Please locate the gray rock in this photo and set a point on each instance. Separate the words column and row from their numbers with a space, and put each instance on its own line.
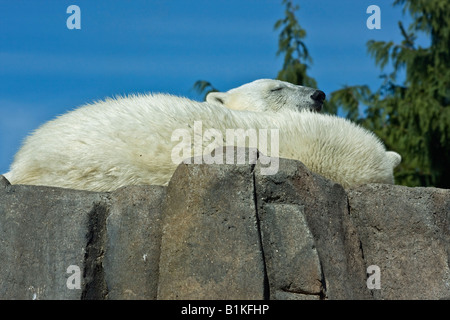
column 291, row 258
column 4, row 183
column 133, row 232
column 284, row 295
column 226, row 232
column 324, row 206
column 405, row 232
column 211, row 245
column 44, row 231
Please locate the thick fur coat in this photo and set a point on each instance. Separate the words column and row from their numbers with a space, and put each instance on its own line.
column 130, row 141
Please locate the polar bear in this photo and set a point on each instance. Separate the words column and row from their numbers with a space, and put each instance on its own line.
column 130, row 141
column 269, row 95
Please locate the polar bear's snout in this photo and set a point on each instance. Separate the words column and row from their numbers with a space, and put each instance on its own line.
column 318, row 97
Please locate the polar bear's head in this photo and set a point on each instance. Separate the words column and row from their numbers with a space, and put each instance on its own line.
column 269, row 95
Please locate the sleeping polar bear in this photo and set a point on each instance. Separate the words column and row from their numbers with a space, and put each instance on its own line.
column 130, row 140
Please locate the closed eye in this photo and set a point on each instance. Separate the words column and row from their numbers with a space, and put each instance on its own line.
column 276, row 89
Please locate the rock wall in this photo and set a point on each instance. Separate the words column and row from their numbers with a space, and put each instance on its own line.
column 226, row 232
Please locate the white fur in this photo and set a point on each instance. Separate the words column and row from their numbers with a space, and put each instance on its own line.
column 266, row 95
column 127, row 141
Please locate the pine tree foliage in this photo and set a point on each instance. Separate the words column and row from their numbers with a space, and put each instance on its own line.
column 290, row 43
column 204, row 87
column 413, row 117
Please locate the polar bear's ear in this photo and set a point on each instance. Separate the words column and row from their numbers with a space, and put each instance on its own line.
column 218, row 98
column 394, row 158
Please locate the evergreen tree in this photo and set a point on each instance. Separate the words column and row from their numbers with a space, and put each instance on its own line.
column 290, row 43
column 204, row 87
column 413, row 117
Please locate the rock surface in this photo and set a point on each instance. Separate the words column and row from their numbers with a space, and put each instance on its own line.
column 44, row 231
column 133, row 242
column 406, row 233
column 211, row 246
column 226, row 232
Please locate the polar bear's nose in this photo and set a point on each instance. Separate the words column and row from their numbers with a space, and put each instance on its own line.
column 318, row 96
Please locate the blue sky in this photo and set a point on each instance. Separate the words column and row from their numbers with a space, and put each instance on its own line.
column 165, row 46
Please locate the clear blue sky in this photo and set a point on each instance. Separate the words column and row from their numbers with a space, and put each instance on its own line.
column 165, row 46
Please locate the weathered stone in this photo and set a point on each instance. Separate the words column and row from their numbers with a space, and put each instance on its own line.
column 291, row 258
column 133, row 230
column 324, row 205
column 211, row 245
column 406, row 233
column 226, row 232
column 4, row 183
column 284, row 295
column 45, row 230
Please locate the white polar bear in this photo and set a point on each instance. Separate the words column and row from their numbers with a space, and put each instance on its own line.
column 130, row 141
